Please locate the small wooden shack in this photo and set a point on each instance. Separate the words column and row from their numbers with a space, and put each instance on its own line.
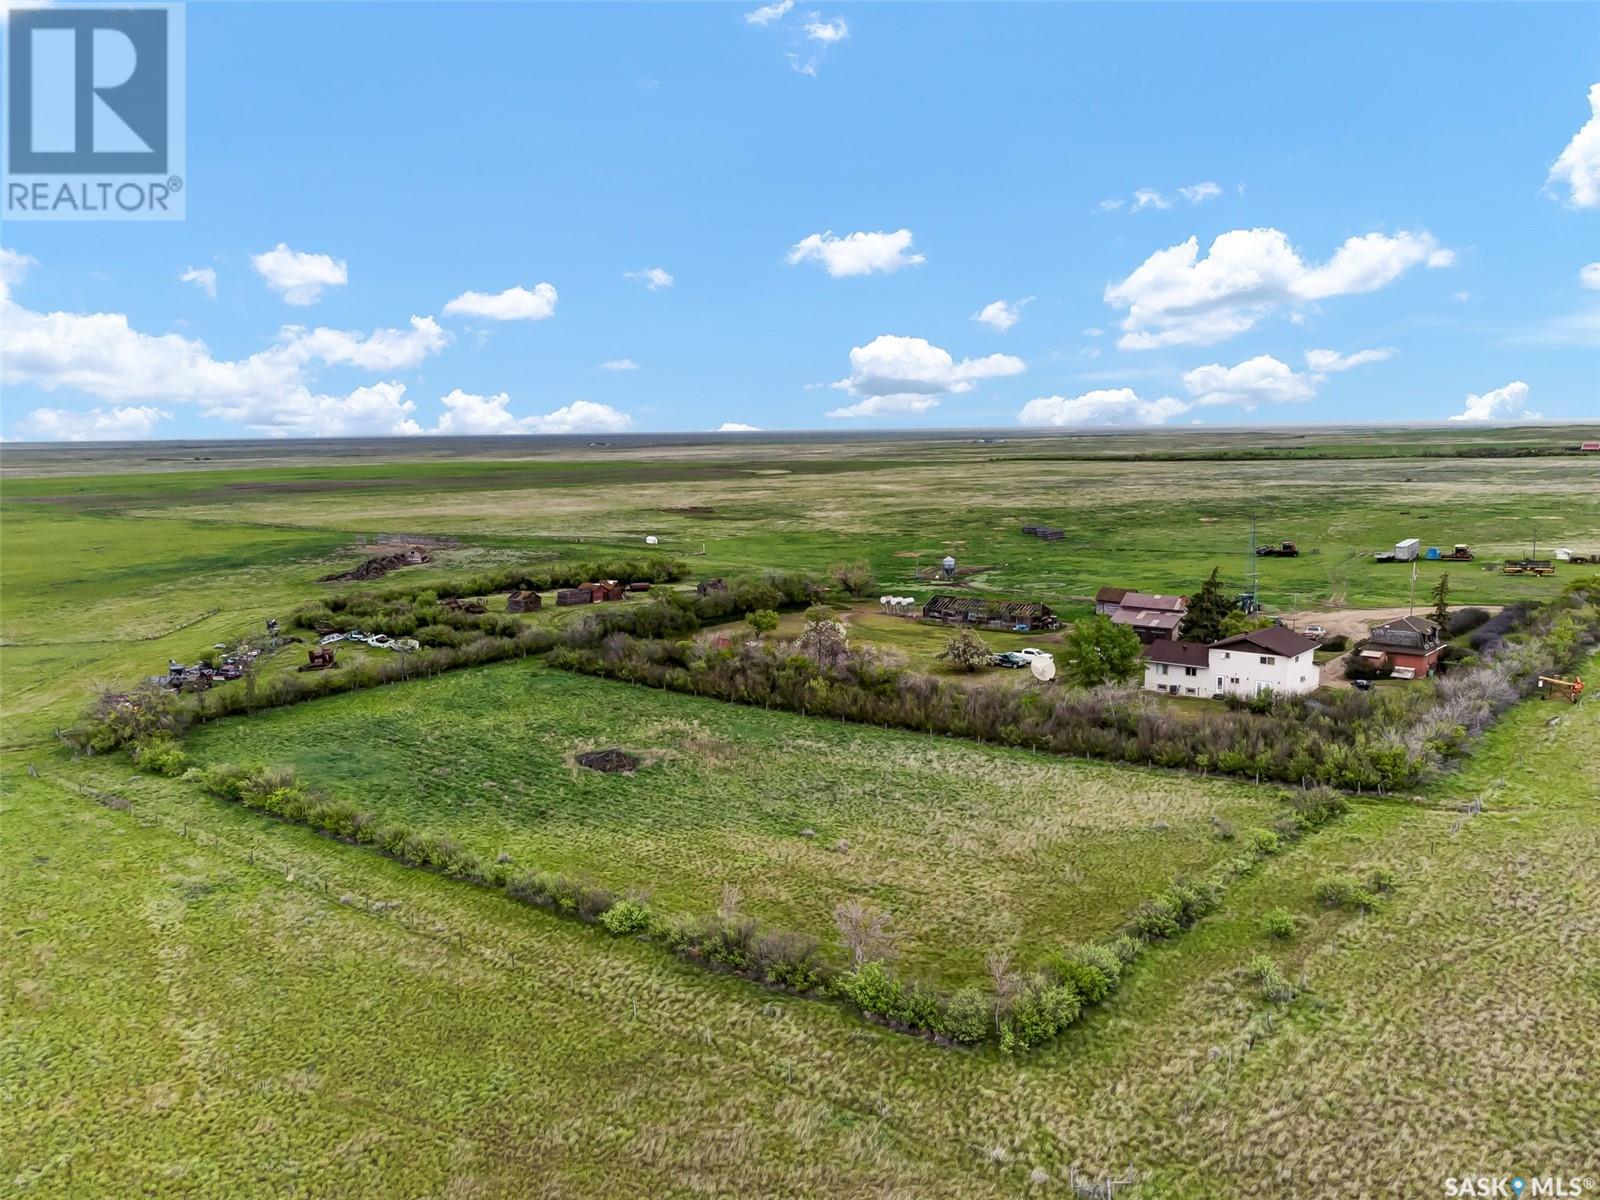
column 523, row 602
column 606, row 589
column 577, row 595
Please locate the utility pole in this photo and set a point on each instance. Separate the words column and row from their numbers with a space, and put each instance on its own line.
column 1252, row 568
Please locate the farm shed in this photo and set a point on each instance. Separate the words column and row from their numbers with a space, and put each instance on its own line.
column 1150, row 624
column 1409, row 642
column 523, row 602
column 606, row 589
column 570, row 596
column 994, row 614
column 1149, row 602
column 1108, row 599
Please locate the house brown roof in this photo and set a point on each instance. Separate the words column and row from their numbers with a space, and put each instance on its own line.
column 1111, row 595
column 1274, row 639
column 1144, row 618
column 1175, row 604
column 1179, row 654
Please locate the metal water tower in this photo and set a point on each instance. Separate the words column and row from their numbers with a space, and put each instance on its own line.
column 949, row 566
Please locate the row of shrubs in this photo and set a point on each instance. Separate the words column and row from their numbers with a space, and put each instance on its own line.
column 423, row 615
column 150, row 711
column 1019, row 1011
column 1347, row 739
column 1358, row 741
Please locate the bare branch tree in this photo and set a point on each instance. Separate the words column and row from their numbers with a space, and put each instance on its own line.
column 867, row 932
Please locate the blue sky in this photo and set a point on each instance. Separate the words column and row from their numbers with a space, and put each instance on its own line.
column 1406, row 199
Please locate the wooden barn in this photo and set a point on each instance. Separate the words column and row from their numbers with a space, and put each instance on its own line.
column 570, row 596
column 990, row 614
column 523, row 602
column 606, row 589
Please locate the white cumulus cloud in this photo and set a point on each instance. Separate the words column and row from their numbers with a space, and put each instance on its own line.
column 1149, row 198
column 619, row 364
column 1578, row 166
column 1001, row 315
column 466, row 413
column 653, row 278
column 1109, row 406
column 1176, row 297
column 1199, row 193
column 299, row 278
column 857, row 253
column 1328, row 361
column 894, row 374
column 827, row 32
column 1589, row 276
column 380, row 350
column 1259, row 380
column 736, row 427
column 204, row 278
column 513, row 304
column 102, row 356
column 124, row 423
column 1509, row 403
column 768, row 13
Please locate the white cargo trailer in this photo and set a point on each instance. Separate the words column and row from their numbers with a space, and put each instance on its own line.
column 1406, row 551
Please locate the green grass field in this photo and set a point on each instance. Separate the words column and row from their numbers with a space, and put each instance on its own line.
column 971, row 849
column 202, row 1001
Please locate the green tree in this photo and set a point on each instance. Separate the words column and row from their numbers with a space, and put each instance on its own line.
column 1098, row 651
column 1440, row 615
column 762, row 621
column 1238, row 621
column 854, row 577
column 1208, row 609
column 966, row 651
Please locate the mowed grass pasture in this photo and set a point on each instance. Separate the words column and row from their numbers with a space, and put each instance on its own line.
column 203, row 1001
column 972, row 849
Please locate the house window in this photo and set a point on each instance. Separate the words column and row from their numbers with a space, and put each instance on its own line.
column 1161, row 668
column 1191, row 671
column 1233, row 679
column 1268, row 660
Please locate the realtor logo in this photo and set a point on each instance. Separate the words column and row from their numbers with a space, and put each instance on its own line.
column 94, row 113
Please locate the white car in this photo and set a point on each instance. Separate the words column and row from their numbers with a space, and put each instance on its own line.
column 1030, row 653
column 1316, row 631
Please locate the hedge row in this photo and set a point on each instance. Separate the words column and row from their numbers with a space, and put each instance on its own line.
column 1019, row 1011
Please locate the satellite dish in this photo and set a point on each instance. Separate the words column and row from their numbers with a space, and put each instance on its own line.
column 652, row 540
column 1044, row 669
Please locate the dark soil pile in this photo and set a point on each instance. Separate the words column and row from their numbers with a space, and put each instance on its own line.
column 608, row 760
column 380, row 565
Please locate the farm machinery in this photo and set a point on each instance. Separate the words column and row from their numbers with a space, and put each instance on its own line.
column 1461, row 553
column 1528, row 566
column 1552, row 688
column 319, row 658
column 1281, row 550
